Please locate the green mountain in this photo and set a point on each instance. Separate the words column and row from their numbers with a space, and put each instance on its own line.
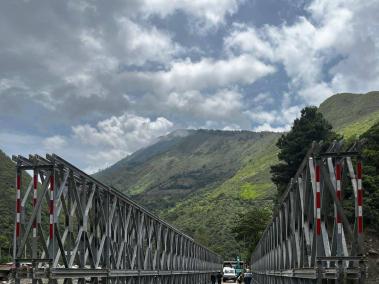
column 351, row 114
column 188, row 162
column 199, row 180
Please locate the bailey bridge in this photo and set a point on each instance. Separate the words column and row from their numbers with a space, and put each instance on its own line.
column 71, row 228
column 93, row 233
column 316, row 234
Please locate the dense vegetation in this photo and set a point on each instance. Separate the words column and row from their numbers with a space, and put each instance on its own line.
column 210, row 214
column 7, row 178
column 183, row 163
column 249, row 228
column 311, row 126
column 371, row 177
column 351, row 114
column 7, row 205
column 202, row 181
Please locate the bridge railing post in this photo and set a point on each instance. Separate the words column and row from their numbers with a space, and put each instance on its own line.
column 76, row 229
column 310, row 234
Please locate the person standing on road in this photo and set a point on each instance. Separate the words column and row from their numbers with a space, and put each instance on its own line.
column 213, row 279
column 247, row 276
column 219, row 277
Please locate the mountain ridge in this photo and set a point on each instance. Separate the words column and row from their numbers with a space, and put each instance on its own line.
column 351, row 114
column 182, row 165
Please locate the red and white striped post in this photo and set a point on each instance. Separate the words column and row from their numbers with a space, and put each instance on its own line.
column 318, row 201
column 35, row 185
column 360, row 197
column 338, row 196
column 51, row 209
column 18, row 204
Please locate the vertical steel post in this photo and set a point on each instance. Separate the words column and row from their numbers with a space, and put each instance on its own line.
column 360, row 207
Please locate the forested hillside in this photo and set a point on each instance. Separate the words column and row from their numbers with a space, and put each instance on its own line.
column 200, row 180
column 351, row 114
column 7, row 204
column 190, row 161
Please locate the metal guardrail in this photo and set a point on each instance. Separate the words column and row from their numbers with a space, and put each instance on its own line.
column 72, row 227
column 311, row 238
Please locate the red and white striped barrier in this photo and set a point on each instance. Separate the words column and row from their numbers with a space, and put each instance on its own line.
column 18, row 205
column 318, row 201
column 35, row 184
column 360, row 197
column 338, row 196
column 51, row 230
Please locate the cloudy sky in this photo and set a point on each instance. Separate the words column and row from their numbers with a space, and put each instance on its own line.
column 95, row 80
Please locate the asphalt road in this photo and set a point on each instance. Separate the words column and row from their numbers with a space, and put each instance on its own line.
column 230, row 282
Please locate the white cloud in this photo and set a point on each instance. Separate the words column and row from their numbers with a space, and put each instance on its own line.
column 263, row 99
column 268, row 127
column 316, row 93
column 116, row 137
column 244, row 39
column 142, row 44
column 76, row 55
column 274, row 120
column 263, row 116
column 224, row 104
column 132, row 44
column 208, row 13
column 336, row 31
column 293, row 46
column 207, row 73
column 91, row 41
column 97, row 59
column 7, row 84
column 54, row 143
column 282, row 118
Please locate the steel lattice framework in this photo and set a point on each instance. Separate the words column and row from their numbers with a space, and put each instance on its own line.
column 70, row 226
column 312, row 239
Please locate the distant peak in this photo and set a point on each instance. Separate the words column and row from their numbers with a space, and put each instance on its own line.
column 181, row 132
column 176, row 133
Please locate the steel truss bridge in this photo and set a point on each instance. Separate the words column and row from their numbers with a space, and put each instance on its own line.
column 312, row 239
column 71, row 227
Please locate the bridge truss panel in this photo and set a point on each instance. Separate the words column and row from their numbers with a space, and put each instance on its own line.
column 70, row 226
column 317, row 229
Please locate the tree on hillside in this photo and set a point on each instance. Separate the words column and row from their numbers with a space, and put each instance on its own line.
column 371, row 176
column 249, row 228
column 4, row 248
column 311, row 126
